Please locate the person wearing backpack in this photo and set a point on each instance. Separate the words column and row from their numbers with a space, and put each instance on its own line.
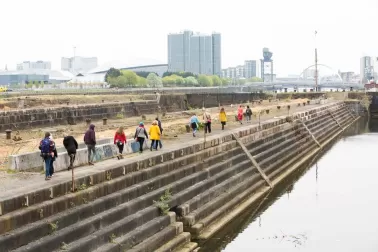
column 207, row 120
column 71, row 146
column 140, row 136
column 47, row 153
column 248, row 113
column 54, row 157
column 90, row 141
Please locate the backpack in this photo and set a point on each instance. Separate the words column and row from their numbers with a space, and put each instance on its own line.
column 45, row 146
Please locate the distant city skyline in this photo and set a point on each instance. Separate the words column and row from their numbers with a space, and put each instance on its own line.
column 285, row 28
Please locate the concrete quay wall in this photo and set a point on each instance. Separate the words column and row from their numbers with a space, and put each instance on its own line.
column 211, row 183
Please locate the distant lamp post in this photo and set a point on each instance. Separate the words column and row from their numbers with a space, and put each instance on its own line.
column 316, row 65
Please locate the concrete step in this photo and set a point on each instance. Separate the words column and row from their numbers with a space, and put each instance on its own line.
column 220, row 169
column 208, row 195
column 227, row 200
column 178, row 242
column 169, row 238
column 322, row 129
column 27, row 215
column 278, row 159
column 187, row 194
column 187, row 247
column 275, row 147
column 118, row 237
column 272, row 141
column 40, row 228
column 207, row 209
column 253, row 143
column 291, row 159
column 276, row 155
column 55, row 188
column 108, row 223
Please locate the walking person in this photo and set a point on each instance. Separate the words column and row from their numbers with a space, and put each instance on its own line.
column 71, row 146
column 222, row 117
column 47, row 153
column 240, row 114
column 154, row 135
column 140, row 136
column 90, row 141
column 248, row 113
column 193, row 122
column 53, row 158
column 207, row 121
column 120, row 141
column 161, row 132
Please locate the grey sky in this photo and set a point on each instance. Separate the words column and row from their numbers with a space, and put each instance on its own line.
column 123, row 30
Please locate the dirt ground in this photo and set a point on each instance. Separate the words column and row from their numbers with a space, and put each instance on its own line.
column 173, row 125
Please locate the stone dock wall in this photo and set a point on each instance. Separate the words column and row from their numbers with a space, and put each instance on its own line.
column 72, row 114
column 172, row 200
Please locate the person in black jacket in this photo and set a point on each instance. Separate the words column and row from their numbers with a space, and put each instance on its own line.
column 71, row 146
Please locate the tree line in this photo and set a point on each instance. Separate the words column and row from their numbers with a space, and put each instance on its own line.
column 127, row 78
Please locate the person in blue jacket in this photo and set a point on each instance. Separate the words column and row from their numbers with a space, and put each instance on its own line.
column 193, row 123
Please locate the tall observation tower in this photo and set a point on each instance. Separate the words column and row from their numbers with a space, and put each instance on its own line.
column 267, row 66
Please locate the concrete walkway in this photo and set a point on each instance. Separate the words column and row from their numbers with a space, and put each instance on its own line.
column 21, row 185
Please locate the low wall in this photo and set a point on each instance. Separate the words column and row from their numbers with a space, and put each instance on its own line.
column 26, row 118
column 105, row 149
column 72, row 114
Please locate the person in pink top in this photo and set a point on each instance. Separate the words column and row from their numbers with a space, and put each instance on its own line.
column 240, row 114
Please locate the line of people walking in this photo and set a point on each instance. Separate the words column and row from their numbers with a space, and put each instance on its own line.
column 141, row 136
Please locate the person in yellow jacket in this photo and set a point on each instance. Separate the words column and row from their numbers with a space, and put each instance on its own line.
column 222, row 117
column 154, row 135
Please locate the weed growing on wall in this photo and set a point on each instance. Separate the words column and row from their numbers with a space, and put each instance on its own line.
column 162, row 203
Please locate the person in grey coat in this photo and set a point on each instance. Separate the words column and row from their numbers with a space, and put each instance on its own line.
column 140, row 136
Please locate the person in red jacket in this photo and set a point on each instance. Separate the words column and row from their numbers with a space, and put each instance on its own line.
column 120, row 141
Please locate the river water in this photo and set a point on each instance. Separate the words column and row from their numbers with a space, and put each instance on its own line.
column 330, row 204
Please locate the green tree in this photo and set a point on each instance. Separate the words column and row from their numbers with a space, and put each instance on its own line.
column 142, row 82
column 240, row 81
column 130, row 77
column 179, row 80
column 205, row 81
column 168, row 81
column 225, row 81
column 144, row 74
column 191, row 81
column 112, row 73
column 182, row 74
column 154, row 81
column 255, row 79
column 216, row 80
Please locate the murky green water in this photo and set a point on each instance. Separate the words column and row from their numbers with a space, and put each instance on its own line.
column 329, row 205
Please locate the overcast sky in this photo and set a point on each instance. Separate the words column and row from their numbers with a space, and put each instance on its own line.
column 125, row 30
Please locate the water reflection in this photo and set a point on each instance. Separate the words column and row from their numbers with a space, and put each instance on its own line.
column 342, row 219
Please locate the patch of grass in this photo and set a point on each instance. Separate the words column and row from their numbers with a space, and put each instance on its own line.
column 53, row 226
column 108, row 175
column 63, row 246
column 112, row 238
column 82, row 187
column 119, row 116
column 10, row 171
column 162, row 203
